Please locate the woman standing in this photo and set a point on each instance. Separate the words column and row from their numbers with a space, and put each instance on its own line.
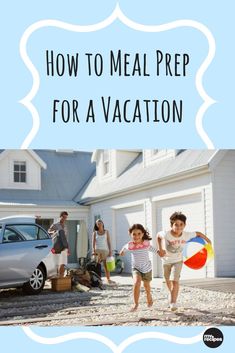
column 101, row 246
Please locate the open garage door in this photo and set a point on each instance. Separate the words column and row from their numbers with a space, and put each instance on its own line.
column 124, row 218
column 193, row 207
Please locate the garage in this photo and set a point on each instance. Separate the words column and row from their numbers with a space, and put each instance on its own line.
column 124, row 218
column 193, row 207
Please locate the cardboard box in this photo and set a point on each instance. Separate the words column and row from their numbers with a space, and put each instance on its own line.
column 61, row 284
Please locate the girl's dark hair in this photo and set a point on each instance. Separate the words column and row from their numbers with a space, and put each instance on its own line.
column 143, row 230
column 177, row 216
column 95, row 226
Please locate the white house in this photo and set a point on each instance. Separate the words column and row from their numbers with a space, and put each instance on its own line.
column 125, row 187
column 148, row 186
column 43, row 183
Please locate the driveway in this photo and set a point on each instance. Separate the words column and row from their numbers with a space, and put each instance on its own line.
column 201, row 303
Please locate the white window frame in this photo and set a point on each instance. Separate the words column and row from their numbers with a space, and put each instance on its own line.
column 15, row 162
column 106, row 163
column 156, row 154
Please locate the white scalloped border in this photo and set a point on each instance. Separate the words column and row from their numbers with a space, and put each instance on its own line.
column 117, row 14
column 109, row 343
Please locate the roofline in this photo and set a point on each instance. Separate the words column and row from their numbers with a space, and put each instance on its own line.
column 94, row 156
column 216, row 158
column 96, row 152
column 33, row 205
column 37, row 158
column 173, row 177
column 33, row 154
column 86, row 183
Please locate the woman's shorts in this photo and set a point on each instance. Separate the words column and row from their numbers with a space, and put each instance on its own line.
column 172, row 271
column 144, row 276
column 102, row 254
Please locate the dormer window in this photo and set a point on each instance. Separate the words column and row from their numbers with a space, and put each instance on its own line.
column 106, row 162
column 154, row 156
column 158, row 153
column 19, row 172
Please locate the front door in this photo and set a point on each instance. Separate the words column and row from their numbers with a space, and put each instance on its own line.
column 72, row 228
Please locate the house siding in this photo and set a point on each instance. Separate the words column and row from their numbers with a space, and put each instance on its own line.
column 224, row 206
column 33, row 171
column 199, row 184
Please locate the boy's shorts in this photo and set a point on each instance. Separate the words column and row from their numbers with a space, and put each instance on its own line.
column 144, row 276
column 172, row 271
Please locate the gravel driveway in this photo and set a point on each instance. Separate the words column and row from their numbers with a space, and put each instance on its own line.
column 111, row 306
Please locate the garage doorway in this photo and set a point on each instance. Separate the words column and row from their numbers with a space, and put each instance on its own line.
column 124, row 219
column 193, row 207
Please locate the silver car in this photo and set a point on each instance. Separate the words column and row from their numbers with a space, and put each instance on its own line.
column 26, row 259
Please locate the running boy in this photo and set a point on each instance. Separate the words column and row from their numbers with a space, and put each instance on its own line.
column 139, row 247
column 172, row 253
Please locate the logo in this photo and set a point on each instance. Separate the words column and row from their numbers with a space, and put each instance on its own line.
column 213, row 337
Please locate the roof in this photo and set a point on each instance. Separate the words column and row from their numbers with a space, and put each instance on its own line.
column 136, row 176
column 35, row 156
column 65, row 175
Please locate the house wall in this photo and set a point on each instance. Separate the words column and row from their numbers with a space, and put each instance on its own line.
column 33, row 171
column 224, row 207
column 109, row 210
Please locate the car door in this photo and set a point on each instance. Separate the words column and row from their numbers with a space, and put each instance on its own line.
column 22, row 248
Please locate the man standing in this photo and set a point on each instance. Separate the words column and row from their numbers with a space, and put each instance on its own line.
column 62, row 258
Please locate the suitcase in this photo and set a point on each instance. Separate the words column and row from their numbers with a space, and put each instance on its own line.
column 94, row 269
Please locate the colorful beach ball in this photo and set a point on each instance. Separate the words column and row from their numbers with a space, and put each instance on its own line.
column 197, row 253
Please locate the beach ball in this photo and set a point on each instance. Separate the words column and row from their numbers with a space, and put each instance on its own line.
column 197, row 253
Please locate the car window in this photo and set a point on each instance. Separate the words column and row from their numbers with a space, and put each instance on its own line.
column 30, row 231
column 11, row 236
column 42, row 234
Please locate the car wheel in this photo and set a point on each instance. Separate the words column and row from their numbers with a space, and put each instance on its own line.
column 36, row 283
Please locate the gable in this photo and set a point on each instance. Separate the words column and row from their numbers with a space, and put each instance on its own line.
column 65, row 174
column 20, row 169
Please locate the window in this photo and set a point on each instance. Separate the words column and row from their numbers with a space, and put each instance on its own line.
column 24, row 232
column 42, row 234
column 154, row 152
column 30, row 231
column 106, row 162
column 11, row 236
column 19, row 172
